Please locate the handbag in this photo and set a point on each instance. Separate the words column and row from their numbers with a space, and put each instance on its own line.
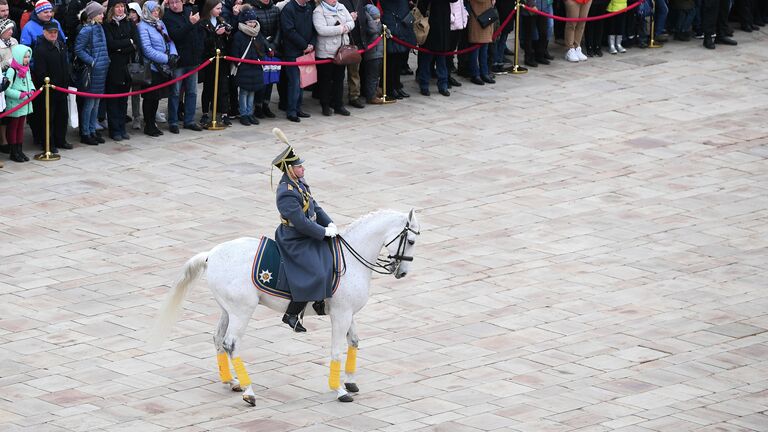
column 307, row 73
column 271, row 72
column 139, row 71
column 420, row 24
column 347, row 55
column 81, row 74
column 488, row 17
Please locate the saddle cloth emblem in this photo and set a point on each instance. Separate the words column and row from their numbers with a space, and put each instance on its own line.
column 267, row 262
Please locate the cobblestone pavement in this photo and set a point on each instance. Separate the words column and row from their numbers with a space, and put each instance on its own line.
column 593, row 258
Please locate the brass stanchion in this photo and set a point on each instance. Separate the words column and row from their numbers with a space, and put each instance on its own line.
column 652, row 43
column 384, row 79
column 47, row 155
column 214, row 125
column 517, row 69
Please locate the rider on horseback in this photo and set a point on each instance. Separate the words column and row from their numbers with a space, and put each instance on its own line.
column 307, row 257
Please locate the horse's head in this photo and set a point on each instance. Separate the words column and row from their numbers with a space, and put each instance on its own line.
column 401, row 248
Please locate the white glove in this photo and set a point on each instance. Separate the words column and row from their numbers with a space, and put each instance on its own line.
column 331, row 231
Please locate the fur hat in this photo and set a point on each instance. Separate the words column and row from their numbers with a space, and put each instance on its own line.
column 6, row 24
column 42, row 6
column 93, row 9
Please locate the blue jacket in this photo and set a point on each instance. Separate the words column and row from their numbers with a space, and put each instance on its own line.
column 91, row 48
column 250, row 77
column 304, row 250
column 297, row 29
column 33, row 29
column 153, row 45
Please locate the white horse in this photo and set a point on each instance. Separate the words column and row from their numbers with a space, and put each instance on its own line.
column 229, row 267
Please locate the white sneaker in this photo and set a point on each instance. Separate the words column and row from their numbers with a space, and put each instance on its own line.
column 580, row 54
column 160, row 118
column 571, row 56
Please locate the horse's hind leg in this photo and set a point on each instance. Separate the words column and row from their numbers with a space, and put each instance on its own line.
column 221, row 355
column 351, row 364
column 340, row 324
column 234, row 334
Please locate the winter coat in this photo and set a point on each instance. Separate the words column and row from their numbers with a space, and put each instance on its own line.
column 439, row 23
column 356, row 36
column 249, row 77
column 212, row 41
column 121, row 52
column 91, row 48
column 505, row 7
column 268, row 16
column 305, row 253
column 372, row 31
column 34, row 29
column 459, row 16
column 52, row 61
column 392, row 16
column 187, row 37
column 18, row 84
column 72, row 19
column 153, row 45
column 475, row 32
column 5, row 53
column 297, row 29
column 330, row 30
column 681, row 4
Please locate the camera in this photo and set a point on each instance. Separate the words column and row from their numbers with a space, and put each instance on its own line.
column 225, row 26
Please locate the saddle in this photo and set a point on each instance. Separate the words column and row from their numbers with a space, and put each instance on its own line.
column 266, row 268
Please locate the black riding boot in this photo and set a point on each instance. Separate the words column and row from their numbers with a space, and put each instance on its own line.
column 291, row 316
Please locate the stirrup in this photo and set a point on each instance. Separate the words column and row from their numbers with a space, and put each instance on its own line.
column 295, row 325
column 319, row 307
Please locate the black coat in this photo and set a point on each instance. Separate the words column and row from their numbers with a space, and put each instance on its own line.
column 355, row 6
column 394, row 11
column 121, row 51
column 211, row 40
column 250, row 77
column 269, row 19
column 439, row 24
column 298, row 31
column 51, row 60
column 188, row 37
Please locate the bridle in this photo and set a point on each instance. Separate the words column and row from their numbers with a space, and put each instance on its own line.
column 392, row 263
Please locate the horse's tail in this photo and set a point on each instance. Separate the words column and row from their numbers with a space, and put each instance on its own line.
column 172, row 307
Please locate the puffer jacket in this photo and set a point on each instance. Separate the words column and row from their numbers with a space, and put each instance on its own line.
column 19, row 84
column 268, row 16
column 330, row 29
column 91, row 48
column 250, row 77
column 153, row 44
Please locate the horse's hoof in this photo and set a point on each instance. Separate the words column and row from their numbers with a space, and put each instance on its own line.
column 345, row 398
column 250, row 399
column 351, row 387
column 237, row 388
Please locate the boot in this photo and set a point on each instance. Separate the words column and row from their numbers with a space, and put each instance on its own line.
column 16, row 154
column 267, row 112
column 291, row 316
column 541, row 48
column 612, row 44
column 319, row 307
column 620, row 48
column 5, row 148
column 709, row 42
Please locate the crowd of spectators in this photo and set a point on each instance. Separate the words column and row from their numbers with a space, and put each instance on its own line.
column 91, row 45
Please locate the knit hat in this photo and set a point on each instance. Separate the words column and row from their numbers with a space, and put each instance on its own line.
column 135, row 7
column 372, row 11
column 6, row 24
column 248, row 14
column 42, row 6
column 94, row 9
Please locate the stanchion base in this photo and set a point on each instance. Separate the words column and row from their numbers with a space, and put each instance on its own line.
column 385, row 101
column 47, row 157
column 518, row 70
column 214, row 127
column 653, row 44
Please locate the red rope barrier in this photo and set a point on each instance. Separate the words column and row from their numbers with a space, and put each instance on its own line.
column 592, row 18
column 295, row 63
column 133, row 93
column 22, row 105
column 457, row 52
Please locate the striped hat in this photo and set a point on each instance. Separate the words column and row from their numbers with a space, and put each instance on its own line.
column 42, row 6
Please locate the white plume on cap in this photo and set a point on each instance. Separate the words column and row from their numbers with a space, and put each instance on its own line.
column 280, row 135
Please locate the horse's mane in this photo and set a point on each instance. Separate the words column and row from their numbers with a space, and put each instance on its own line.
column 362, row 219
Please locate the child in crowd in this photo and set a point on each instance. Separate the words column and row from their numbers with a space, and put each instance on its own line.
column 372, row 58
column 134, row 14
column 249, row 44
column 7, row 28
column 20, row 90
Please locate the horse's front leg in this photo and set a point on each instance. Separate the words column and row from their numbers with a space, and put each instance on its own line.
column 340, row 323
column 351, row 365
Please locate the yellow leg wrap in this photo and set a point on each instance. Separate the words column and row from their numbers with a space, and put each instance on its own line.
column 242, row 375
column 351, row 364
column 334, row 381
column 224, row 373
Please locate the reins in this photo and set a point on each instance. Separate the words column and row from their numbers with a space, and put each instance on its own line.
column 381, row 266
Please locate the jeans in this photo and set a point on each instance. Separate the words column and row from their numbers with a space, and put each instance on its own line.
column 425, row 74
column 294, row 94
column 501, row 45
column 246, row 102
column 662, row 11
column 478, row 61
column 190, row 97
column 89, row 118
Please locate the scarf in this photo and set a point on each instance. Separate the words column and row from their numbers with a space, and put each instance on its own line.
column 117, row 19
column 20, row 69
column 248, row 30
column 329, row 8
column 7, row 42
column 146, row 13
